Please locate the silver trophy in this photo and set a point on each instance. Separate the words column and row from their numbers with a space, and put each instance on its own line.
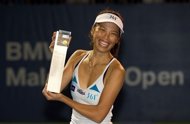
column 62, row 41
column 64, row 38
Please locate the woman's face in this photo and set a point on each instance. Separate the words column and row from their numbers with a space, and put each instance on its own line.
column 104, row 36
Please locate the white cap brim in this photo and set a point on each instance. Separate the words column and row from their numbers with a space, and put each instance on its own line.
column 109, row 17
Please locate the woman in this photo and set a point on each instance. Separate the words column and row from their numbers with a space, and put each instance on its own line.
column 96, row 76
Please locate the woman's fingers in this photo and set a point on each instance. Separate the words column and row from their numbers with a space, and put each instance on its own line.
column 51, row 46
column 45, row 92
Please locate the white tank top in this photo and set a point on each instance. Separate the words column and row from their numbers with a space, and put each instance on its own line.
column 89, row 96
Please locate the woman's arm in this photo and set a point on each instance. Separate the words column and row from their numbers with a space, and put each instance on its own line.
column 70, row 66
column 113, row 84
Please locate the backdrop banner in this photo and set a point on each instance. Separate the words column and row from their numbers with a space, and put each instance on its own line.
column 154, row 50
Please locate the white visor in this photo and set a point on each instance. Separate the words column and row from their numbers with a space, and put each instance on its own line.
column 109, row 17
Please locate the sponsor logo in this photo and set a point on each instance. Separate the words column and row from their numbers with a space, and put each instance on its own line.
column 113, row 17
column 81, row 91
column 72, row 88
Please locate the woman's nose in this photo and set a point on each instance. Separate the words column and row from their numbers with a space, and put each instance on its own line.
column 106, row 35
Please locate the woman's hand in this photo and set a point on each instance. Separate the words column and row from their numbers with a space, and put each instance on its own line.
column 50, row 95
column 51, row 46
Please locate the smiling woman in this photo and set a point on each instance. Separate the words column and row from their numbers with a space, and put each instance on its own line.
column 110, row 16
column 96, row 75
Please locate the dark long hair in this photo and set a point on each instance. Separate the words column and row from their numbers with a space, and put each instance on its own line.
column 115, row 50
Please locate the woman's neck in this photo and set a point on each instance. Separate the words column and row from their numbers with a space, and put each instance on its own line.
column 96, row 58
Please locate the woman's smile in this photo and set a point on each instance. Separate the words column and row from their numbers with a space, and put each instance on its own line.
column 103, row 43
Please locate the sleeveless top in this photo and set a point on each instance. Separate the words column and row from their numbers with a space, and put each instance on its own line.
column 89, row 96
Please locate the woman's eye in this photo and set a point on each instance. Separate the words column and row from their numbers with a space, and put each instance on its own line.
column 115, row 34
column 101, row 29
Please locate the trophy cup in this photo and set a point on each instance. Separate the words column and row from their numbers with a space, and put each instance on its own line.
column 61, row 45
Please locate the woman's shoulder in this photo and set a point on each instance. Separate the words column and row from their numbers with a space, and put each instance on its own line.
column 79, row 53
column 117, row 66
column 77, row 56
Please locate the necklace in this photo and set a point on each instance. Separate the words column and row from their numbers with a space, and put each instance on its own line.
column 90, row 64
column 92, row 61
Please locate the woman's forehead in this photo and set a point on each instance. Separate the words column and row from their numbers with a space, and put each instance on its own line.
column 109, row 25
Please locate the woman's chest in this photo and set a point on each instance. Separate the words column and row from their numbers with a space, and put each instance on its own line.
column 88, row 75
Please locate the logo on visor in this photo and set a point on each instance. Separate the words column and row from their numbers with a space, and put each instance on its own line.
column 113, row 17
